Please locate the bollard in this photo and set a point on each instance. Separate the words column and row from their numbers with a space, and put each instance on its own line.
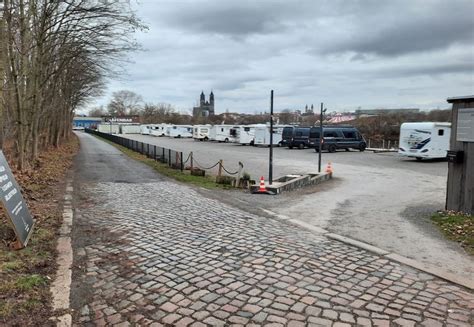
column 239, row 174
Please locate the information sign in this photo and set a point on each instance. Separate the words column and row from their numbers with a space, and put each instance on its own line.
column 14, row 204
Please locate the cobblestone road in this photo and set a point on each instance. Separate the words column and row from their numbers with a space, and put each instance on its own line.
column 160, row 254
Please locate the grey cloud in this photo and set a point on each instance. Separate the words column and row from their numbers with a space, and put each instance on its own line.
column 402, row 29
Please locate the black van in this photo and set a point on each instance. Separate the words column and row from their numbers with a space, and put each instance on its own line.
column 338, row 137
column 297, row 137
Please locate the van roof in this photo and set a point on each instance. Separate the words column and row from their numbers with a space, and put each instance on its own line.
column 424, row 125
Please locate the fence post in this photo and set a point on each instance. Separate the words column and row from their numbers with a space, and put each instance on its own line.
column 239, row 174
column 169, row 157
column 191, row 159
column 163, row 158
column 148, row 150
column 369, row 143
column 219, row 172
column 389, row 144
column 154, row 152
column 181, row 161
column 383, row 144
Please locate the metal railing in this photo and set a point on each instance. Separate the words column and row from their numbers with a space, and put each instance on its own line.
column 173, row 158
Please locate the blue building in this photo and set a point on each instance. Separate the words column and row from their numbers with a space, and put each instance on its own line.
column 86, row 122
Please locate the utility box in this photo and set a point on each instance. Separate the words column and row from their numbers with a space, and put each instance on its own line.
column 460, row 192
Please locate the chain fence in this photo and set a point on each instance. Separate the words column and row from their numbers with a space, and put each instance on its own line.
column 173, row 158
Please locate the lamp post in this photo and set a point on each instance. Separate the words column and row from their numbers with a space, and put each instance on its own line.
column 320, row 136
column 270, row 166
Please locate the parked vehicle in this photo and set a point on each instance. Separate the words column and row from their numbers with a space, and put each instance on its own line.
column 130, row 129
column 262, row 135
column 179, row 131
column 108, row 128
column 299, row 138
column 287, row 135
column 220, row 133
column 338, row 137
column 159, row 129
column 244, row 135
column 424, row 140
column 201, row 132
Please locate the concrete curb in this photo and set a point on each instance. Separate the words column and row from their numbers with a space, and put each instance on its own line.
column 61, row 287
column 432, row 270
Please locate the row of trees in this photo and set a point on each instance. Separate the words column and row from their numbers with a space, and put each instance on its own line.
column 55, row 56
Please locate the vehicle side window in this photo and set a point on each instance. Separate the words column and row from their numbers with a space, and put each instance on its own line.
column 349, row 134
column 246, row 129
column 299, row 134
column 222, row 129
column 441, row 132
column 330, row 134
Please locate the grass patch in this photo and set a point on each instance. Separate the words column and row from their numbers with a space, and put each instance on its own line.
column 26, row 283
column 458, row 227
column 207, row 182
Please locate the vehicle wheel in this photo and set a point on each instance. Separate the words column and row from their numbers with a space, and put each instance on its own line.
column 301, row 146
column 419, row 159
column 290, row 147
column 205, row 139
column 347, row 149
column 252, row 143
column 279, row 144
column 332, row 148
column 316, row 149
column 179, row 136
column 226, row 140
column 362, row 147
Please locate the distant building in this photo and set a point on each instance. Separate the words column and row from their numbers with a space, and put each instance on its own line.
column 206, row 108
column 375, row 112
column 86, row 122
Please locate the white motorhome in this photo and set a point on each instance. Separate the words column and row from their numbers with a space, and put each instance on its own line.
column 220, row 133
column 179, row 131
column 145, row 129
column 108, row 128
column 244, row 134
column 130, row 129
column 262, row 135
column 159, row 130
column 424, row 140
column 201, row 132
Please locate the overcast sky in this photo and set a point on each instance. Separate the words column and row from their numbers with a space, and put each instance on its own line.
column 347, row 54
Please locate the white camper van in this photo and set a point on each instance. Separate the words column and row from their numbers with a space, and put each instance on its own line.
column 159, row 130
column 220, row 133
column 243, row 134
column 424, row 140
column 201, row 132
column 179, row 131
column 130, row 129
column 108, row 128
column 262, row 135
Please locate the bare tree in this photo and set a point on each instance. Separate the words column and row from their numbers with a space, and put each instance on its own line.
column 54, row 56
column 125, row 102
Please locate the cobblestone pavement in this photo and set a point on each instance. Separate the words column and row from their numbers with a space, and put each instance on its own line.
column 160, row 254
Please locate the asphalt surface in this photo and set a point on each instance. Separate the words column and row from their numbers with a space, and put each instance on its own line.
column 100, row 162
column 152, row 252
column 378, row 198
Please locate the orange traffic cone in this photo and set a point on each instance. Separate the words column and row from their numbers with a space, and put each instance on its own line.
column 262, row 185
column 329, row 168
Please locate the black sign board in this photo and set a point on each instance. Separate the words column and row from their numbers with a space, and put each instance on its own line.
column 14, row 204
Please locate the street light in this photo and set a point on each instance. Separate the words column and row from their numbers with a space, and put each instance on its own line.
column 320, row 136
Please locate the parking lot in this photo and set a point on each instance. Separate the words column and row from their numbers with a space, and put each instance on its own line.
column 377, row 198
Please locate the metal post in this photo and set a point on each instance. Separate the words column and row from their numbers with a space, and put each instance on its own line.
column 320, row 137
column 154, row 152
column 270, row 165
column 191, row 158
column 181, row 161
column 169, row 157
